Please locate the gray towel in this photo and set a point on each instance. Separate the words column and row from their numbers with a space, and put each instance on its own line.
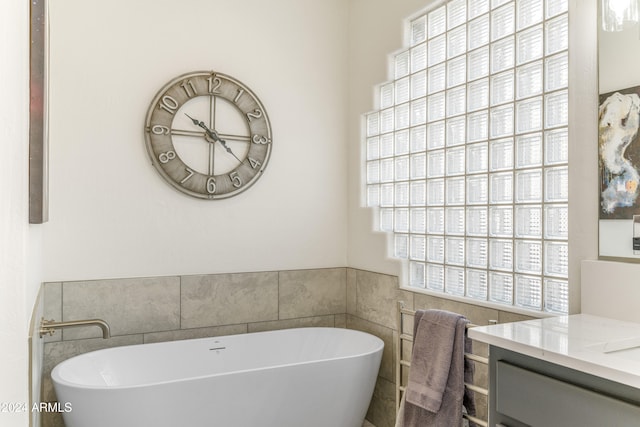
column 435, row 391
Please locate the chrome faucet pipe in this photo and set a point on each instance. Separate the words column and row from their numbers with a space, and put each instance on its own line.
column 50, row 326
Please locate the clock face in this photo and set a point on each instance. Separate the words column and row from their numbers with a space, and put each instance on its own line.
column 208, row 135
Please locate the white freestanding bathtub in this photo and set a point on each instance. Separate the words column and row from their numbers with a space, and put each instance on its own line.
column 307, row 377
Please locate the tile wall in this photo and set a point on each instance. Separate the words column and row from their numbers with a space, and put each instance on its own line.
column 145, row 310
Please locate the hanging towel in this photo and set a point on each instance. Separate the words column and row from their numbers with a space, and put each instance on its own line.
column 435, row 393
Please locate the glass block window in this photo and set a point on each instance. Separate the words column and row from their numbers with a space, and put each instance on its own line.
column 466, row 156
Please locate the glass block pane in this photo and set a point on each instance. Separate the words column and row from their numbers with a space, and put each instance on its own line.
column 457, row 41
column 529, row 150
column 556, row 34
column 418, row 111
column 454, row 251
column 435, row 192
column 401, row 194
column 418, row 220
column 556, row 109
column 456, row 71
column 529, row 222
column 478, row 95
column 402, row 93
column 478, row 63
column 418, row 138
column 417, row 274
column 556, row 146
column 373, row 172
column 418, row 166
column 435, row 107
column 435, row 249
column 456, row 131
column 419, row 57
column 502, row 22
column 386, row 170
column 418, row 247
column 401, row 168
column 455, row 221
column 454, row 283
column 456, row 101
column 529, row 80
column 556, row 184
column 401, row 246
column 529, row 12
column 386, row 95
column 477, row 222
column 435, row 135
column 528, row 292
column 435, row 221
column 556, row 222
column 435, row 277
column 477, row 190
column 418, row 84
column 386, row 219
column 402, row 67
column 556, row 296
column 455, row 191
column 477, row 253
column 478, row 7
column 386, row 197
column 500, row 221
column 529, row 45
column 556, row 259
column 502, row 88
column 500, row 254
column 477, row 158
column 455, row 161
column 478, row 30
column 528, row 256
column 437, row 21
column 502, row 54
column 478, row 127
column 529, row 115
column 418, row 30
column 555, row 7
column 456, row 13
column 418, row 193
column 402, row 117
column 373, row 195
column 477, row 284
column 435, row 164
column 501, row 154
column 501, row 188
column 437, row 50
column 437, row 78
column 401, row 142
column 501, row 119
column 498, row 3
column 373, row 148
column 386, row 120
column 529, row 186
column 557, row 72
column 373, row 121
column 500, row 287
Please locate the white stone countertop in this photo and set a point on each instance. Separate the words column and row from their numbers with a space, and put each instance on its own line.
column 599, row 346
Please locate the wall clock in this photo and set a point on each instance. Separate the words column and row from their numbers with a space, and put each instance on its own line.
column 208, row 135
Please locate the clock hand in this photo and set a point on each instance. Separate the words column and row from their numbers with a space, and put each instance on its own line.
column 214, row 135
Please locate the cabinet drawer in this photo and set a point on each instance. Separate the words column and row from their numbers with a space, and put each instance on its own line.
column 541, row 401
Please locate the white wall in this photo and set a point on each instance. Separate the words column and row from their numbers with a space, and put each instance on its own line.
column 111, row 213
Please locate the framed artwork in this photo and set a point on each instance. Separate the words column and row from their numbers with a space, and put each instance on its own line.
column 619, row 153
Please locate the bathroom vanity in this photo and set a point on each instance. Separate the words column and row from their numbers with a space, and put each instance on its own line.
column 578, row 370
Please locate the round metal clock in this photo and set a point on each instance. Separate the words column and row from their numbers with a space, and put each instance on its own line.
column 208, row 135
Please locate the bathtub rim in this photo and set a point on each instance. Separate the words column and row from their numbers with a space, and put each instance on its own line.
column 58, row 380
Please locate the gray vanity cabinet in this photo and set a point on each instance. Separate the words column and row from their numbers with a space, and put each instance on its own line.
column 525, row 391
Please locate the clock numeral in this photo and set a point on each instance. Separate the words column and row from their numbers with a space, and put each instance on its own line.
column 260, row 139
column 160, row 130
column 211, row 185
column 240, row 92
column 189, row 175
column 255, row 114
column 166, row 157
column 189, row 88
column 254, row 163
column 169, row 104
column 214, row 84
column 235, row 179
